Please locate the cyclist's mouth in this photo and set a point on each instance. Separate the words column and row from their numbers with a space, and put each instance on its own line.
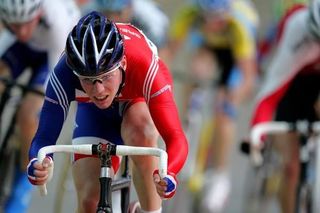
column 101, row 98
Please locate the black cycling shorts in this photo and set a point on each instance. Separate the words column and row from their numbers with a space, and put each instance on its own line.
column 300, row 98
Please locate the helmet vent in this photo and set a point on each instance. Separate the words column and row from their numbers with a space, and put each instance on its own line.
column 32, row 9
column 94, row 45
column 90, row 56
column 19, row 11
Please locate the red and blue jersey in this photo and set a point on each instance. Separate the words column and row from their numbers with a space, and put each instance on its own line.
column 146, row 76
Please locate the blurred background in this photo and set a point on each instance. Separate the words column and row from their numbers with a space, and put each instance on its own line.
column 61, row 196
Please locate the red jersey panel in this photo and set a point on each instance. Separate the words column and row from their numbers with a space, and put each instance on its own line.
column 147, row 76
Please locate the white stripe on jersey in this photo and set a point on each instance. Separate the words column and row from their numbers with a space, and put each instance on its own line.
column 151, row 74
column 145, row 84
column 61, row 94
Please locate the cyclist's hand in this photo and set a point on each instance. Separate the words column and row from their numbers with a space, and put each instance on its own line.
column 167, row 186
column 38, row 173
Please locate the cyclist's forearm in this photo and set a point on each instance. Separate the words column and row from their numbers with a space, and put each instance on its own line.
column 166, row 119
column 50, row 125
column 249, row 74
column 177, row 154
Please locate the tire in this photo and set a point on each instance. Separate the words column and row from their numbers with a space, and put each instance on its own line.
column 263, row 182
column 8, row 162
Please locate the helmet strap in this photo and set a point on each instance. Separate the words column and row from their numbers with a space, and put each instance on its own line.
column 123, row 76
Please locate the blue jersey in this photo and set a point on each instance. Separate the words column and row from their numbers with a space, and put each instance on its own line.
column 59, row 94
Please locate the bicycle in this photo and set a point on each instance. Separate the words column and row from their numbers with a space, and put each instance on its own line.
column 198, row 130
column 9, row 150
column 266, row 164
column 107, row 183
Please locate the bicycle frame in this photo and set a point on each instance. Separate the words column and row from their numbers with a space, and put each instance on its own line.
column 104, row 152
column 9, row 151
column 304, row 129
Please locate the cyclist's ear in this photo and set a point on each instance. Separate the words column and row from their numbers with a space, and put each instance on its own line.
column 123, row 62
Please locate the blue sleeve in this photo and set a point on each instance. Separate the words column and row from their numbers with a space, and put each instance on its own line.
column 59, row 93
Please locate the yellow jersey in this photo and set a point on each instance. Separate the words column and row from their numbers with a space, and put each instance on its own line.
column 239, row 35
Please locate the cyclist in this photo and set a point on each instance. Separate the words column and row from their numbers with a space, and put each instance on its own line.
column 144, row 14
column 291, row 88
column 124, row 94
column 223, row 33
column 34, row 36
column 268, row 40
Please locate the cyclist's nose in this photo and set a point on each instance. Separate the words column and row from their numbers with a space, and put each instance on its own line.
column 98, row 86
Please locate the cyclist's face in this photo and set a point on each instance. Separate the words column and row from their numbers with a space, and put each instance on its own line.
column 215, row 22
column 24, row 31
column 102, row 89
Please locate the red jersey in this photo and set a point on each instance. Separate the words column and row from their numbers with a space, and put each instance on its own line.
column 146, row 78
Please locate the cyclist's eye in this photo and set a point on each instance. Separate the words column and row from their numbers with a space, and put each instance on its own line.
column 106, row 77
column 86, row 81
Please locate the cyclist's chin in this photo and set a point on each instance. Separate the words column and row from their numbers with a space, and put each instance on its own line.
column 102, row 104
column 24, row 38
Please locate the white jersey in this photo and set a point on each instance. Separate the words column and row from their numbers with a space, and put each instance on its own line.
column 297, row 49
column 58, row 19
column 151, row 20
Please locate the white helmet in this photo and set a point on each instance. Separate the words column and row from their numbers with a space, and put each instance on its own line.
column 314, row 21
column 19, row 11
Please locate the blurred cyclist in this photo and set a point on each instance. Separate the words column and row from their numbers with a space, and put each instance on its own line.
column 267, row 42
column 34, row 38
column 144, row 14
column 125, row 95
column 225, row 33
column 291, row 89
